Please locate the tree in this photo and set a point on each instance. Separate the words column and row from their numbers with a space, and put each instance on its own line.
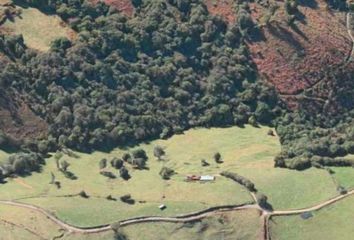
column 64, row 165
column 103, row 163
column 139, row 163
column 166, row 173
column 117, row 163
column 291, row 6
column 139, row 153
column 83, row 194
column 158, row 152
column 107, row 174
column 127, row 198
column 204, row 163
column 124, row 173
column 262, row 201
column 217, row 157
column 126, row 157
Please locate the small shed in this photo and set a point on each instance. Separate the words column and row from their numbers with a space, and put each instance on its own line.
column 162, row 207
column 207, row 178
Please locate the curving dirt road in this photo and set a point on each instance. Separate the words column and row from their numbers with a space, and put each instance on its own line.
column 314, row 208
column 266, row 215
column 106, row 227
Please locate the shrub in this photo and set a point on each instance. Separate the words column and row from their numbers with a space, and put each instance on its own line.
column 240, row 179
column 103, row 163
column 117, row 163
column 83, row 194
column 166, row 173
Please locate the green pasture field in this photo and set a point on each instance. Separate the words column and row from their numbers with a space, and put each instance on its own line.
column 247, row 151
column 184, row 153
column 332, row 222
column 233, row 225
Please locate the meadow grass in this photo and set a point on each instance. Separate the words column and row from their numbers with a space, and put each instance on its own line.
column 37, row 28
column 332, row 222
column 233, row 225
column 344, row 176
column 184, row 153
column 22, row 223
column 289, row 189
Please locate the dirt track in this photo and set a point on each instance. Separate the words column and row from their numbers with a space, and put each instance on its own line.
column 266, row 215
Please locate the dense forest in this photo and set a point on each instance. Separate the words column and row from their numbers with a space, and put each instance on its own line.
column 170, row 67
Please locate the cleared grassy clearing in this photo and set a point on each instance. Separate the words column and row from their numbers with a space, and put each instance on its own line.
column 237, row 225
column 333, row 222
column 37, row 28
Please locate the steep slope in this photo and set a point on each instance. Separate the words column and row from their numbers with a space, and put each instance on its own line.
column 295, row 52
column 17, row 119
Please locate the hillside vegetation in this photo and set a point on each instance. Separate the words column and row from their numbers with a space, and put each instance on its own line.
column 175, row 65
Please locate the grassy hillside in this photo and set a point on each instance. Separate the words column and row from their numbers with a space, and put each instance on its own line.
column 239, row 225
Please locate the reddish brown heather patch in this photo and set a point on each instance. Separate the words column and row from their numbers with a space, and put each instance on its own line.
column 18, row 121
column 222, row 8
column 125, row 6
column 292, row 58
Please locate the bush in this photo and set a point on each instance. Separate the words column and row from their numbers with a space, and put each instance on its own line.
column 123, row 172
column 103, row 163
column 158, row 152
column 83, row 194
column 117, row 163
column 22, row 164
column 239, row 179
column 127, row 199
column 139, row 153
column 166, row 173
column 107, row 174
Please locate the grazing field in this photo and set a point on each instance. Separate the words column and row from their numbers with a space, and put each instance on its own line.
column 227, row 226
column 37, row 28
column 332, row 222
column 289, row 189
column 183, row 154
column 247, row 151
column 20, row 223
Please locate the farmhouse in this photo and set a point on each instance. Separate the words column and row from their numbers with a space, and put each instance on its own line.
column 207, row 178
column 203, row 178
